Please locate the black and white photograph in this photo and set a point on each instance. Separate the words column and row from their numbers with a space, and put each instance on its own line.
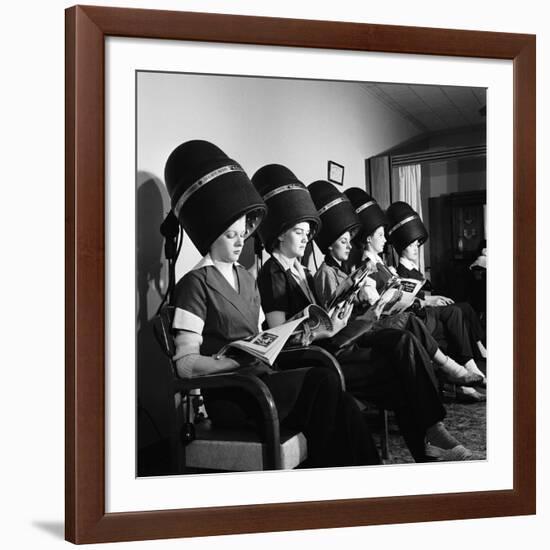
column 354, row 295
column 246, row 283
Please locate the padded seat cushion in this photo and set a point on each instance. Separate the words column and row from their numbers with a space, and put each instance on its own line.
column 239, row 450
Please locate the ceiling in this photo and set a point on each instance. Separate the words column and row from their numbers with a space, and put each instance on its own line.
column 432, row 108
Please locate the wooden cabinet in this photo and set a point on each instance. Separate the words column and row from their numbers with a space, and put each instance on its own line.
column 468, row 219
column 457, row 229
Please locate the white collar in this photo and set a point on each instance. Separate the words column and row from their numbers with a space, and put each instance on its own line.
column 409, row 264
column 372, row 256
column 297, row 271
column 208, row 261
column 288, row 263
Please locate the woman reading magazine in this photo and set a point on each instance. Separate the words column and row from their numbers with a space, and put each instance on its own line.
column 218, row 302
column 456, row 322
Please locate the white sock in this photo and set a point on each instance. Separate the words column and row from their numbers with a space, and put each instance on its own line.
column 482, row 349
column 450, row 366
column 472, row 367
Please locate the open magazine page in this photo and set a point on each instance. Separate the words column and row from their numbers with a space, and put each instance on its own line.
column 267, row 344
column 348, row 289
column 315, row 319
column 398, row 295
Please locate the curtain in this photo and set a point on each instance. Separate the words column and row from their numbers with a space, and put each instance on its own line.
column 409, row 192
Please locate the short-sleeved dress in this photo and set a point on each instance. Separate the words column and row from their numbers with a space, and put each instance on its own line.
column 395, row 371
column 309, row 399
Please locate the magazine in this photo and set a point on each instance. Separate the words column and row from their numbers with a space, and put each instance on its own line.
column 268, row 344
column 397, row 295
column 349, row 288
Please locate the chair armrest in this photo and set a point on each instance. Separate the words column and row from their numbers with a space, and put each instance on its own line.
column 248, row 382
column 259, row 390
column 310, row 356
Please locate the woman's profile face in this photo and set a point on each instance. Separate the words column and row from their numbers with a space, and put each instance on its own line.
column 341, row 247
column 411, row 252
column 376, row 241
column 229, row 245
column 292, row 243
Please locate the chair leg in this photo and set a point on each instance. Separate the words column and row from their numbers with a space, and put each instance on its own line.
column 447, row 390
column 385, row 434
column 177, row 447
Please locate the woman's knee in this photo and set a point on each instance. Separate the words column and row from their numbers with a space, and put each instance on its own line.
column 405, row 342
column 325, row 376
column 467, row 310
column 454, row 312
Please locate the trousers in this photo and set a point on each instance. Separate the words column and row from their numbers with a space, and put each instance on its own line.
column 336, row 431
column 448, row 327
column 396, row 373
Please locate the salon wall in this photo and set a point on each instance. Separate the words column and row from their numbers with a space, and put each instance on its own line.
column 453, row 176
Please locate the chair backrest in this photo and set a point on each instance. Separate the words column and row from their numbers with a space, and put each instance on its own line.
column 162, row 327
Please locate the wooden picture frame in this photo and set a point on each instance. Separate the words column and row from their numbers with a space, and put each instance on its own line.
column 335, row 173
column 86, row 30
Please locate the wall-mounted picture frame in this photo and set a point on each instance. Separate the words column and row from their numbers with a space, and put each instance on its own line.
column 90, row 477
column 335, row 173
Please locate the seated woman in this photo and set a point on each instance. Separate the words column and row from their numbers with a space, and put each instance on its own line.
column 218, row 302
column 403, row 381
column 372, row 240
column 457, row 323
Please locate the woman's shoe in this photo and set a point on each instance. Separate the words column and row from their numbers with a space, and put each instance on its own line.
column 457, row 453
column 455, row 373
column 469, row 395
column 466, row 378
column 474, row 370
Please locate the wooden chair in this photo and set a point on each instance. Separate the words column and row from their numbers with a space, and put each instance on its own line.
column 201, row 445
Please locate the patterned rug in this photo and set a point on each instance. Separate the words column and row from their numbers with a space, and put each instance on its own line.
column 465, row 422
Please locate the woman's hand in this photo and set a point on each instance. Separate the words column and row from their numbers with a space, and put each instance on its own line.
column 368, row 293
column 307, row 336
column 339, row 316
column 377, row 310
column 439, row 301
